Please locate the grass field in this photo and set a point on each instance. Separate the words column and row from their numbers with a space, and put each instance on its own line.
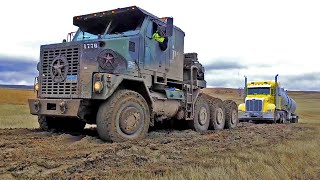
column 296, row 157
column 14, row 111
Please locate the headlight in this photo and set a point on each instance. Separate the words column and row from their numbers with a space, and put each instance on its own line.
column 98, row 86
column 36, row 87
column 270, row 110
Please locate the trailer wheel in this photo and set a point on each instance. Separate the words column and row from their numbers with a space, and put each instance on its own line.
column 217, row 114
column 124, row 116
column 231, row 114
column 201, row 118
column 295, row 120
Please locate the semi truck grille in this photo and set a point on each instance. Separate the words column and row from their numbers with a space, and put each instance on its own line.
column 60, row 66
column 254, row 105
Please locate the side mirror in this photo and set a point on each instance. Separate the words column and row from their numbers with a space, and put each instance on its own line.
column 169, row 27
column 38, row 66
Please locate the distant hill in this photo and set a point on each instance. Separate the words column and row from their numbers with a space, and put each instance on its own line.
column 16, row 86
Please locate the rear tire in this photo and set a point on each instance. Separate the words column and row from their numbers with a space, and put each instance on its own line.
column 124, row 116
column 231, row 114
column 201, row 117
column 217, row 113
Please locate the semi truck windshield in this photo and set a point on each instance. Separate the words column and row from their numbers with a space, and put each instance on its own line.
column 259, row 90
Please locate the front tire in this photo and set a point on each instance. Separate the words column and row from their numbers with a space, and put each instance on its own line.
column 45, row 123
column 124, row 116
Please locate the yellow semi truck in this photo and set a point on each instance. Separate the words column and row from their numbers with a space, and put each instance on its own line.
column 267, row 101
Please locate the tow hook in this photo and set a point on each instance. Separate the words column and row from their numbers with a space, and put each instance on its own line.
column 63, row 107
column 37, row 105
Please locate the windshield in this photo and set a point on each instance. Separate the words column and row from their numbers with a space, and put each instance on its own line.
column 109, row 27
column 80, row 35
column 259, row 90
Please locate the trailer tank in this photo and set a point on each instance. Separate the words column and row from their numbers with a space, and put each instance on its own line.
column 287, row 103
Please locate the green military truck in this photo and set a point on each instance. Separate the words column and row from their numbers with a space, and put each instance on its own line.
column 114, row 73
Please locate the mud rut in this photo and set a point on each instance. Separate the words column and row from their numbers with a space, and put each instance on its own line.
column 37, row 154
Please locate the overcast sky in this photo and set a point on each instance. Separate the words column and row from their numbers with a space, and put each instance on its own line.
column 233, row 38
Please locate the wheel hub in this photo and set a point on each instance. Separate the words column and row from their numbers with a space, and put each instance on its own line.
column 130, row 119
column 219, row 115
column 203, row 116
column 234, row 117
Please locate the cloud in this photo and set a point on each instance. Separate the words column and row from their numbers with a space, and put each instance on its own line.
column 302, row 82
column 227, row 63
column 17, row 70
column 306, row 81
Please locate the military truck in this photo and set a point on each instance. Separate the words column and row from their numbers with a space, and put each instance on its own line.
column 267, row 101
column 112, row 72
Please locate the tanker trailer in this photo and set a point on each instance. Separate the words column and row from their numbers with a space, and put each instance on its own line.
column 124, row 70
column 267, row 101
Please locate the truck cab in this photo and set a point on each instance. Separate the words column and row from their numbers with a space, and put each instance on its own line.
column 259, row 101
column 267, row 101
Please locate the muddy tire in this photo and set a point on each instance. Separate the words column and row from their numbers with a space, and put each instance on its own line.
column 45, row 123
column 201, row 117
column 217, row 121
column 124, row 116
column 231, row 114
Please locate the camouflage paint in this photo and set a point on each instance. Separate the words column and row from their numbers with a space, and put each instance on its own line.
column 141, row 55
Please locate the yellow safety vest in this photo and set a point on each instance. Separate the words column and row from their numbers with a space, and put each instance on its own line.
column 157, row 37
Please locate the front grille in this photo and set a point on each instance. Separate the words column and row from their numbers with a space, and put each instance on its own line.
column 254, row 105
column 68, row 87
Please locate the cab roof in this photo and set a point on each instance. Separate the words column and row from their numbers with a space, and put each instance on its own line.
column 262, row 83
column 82, row 20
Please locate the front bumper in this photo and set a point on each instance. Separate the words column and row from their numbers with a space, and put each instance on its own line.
column 256, row 116
column 55, row 107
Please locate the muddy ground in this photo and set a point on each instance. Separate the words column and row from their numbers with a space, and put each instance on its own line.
column 26, row 153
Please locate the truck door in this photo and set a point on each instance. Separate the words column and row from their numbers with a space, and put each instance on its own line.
column 155, row 58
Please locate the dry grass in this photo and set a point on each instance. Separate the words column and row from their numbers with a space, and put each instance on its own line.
column 295, row 158
column 15, row 96
column 14, row 111
column 16, row 116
